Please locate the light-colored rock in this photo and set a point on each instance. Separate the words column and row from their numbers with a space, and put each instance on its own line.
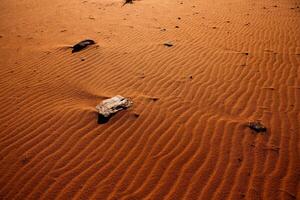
column 111, row 106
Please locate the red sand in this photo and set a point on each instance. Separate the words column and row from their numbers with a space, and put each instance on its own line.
column 186, row 137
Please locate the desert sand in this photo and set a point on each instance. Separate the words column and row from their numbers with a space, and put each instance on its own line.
column 186, row 135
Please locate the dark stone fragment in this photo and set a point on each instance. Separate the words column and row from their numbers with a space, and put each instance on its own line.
column 257, row 126
column 127, row 1
column 81, row 45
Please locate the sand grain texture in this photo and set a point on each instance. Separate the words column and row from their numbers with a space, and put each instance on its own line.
column 186, row 137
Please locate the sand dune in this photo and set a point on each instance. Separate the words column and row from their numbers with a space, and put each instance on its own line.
column 186, row 137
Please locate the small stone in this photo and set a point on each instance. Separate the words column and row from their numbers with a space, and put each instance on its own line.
column 168, row 44
column 25, row 160
column 154, row 98
column 257, row 126
column 128, row 2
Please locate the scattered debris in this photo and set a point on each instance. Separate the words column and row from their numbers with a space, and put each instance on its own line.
column 25, row 160
column 154, row 98
column 136, row 115
column 257, row 126
column 168, row 44
column 276, row 149
column 142, row 75
column 109, row 107
column 269, row 88
column 127, row 1
column 81, row 45
column 293, row 196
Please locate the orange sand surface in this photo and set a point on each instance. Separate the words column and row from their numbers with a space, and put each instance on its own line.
column 186, row 136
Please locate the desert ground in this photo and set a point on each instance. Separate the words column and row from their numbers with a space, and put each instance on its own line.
column 187, row 134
